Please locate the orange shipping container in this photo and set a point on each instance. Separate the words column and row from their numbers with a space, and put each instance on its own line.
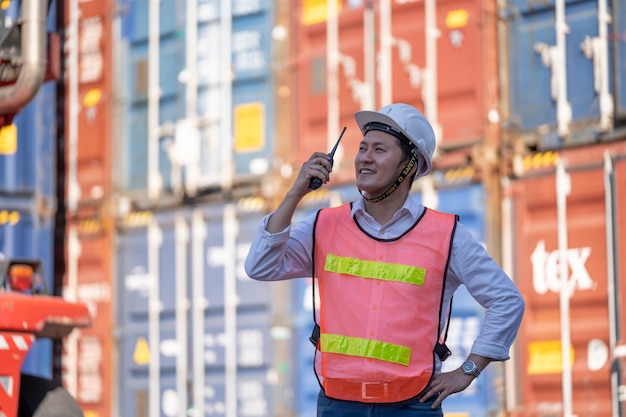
column 88, row 354
column 456, row 88
column 595, row 218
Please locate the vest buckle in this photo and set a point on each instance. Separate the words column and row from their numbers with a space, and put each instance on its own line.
column 374, row 390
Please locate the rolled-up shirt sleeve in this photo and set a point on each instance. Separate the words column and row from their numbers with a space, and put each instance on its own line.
column 282, row 255
column 472, row 266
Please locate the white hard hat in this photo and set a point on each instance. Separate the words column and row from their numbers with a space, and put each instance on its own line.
column 406, row 120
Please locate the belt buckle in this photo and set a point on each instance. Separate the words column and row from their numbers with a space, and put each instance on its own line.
column 381, row 387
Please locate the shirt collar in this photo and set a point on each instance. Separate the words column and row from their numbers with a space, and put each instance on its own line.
column 411, row 207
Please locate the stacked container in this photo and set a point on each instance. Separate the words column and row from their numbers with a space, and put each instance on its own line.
column 194, row 145
column 89, row 123
column 182, row 114
column 564, row 203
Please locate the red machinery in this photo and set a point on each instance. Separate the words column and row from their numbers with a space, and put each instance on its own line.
column 26, row 313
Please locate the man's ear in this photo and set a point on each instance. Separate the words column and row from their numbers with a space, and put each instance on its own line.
column 417, row 168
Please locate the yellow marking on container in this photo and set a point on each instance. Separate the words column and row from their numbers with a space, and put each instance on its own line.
column 9, row 217
column 90, row 226
column 93, row 97
column 141, row 354
column 14, row 217
column 251, row 203
column 8, row 140
column 457, row 18
column 138, row 219
column 538, row 160
column 249, row 127
column 460, row 174
column 545, row 357
column 316, row 11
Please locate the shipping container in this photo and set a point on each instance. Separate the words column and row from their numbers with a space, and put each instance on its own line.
column 483, row 397
column 32, row 135
column 194, row 331
column 197, row 88
column 89, row 123
column 565, row 67
column 88, row 353
column 87, row 207
column 567, row 231
column 438, row 56
column 618, row 44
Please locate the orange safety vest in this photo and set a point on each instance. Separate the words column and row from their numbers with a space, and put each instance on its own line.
column 380, row 306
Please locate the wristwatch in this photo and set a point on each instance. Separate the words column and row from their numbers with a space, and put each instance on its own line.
column 470, row 368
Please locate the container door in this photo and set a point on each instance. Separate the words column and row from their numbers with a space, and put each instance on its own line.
column 590, row 324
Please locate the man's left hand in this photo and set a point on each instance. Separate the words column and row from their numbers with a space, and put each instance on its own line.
column 445, row 384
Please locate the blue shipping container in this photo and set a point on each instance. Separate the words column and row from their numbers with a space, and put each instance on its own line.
column 618, row 42
column 533, row 68
column 28, row 166
column 201, row 149
column 479, row 399
column 214, row 238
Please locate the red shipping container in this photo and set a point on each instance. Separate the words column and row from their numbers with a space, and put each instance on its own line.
column 595, row 227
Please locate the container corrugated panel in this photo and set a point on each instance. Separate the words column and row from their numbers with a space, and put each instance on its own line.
column 305, row 384
column 462, row 97
column 251, row 95
column 479, row 399
column 616, row 181
column 94, row 120
column 133, row 44
column 253, row 103
column 220, row 234
column 533, row 82
column 25, row 234
column 593, row 325
column 88, row 357
column 36, row 141
column 618, row 42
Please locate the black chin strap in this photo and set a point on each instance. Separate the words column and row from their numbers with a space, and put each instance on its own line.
column 409, row 166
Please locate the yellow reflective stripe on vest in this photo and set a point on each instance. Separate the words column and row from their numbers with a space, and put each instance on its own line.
column 366, row 348
column 375, row 270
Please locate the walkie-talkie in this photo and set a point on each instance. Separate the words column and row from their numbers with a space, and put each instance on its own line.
column 316, row 182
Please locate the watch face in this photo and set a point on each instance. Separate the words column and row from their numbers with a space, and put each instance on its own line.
column 470, row 367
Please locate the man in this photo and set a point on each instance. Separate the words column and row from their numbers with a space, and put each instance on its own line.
column 387, row 268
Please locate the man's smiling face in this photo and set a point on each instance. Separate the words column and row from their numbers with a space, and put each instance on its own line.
column 378, row 163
